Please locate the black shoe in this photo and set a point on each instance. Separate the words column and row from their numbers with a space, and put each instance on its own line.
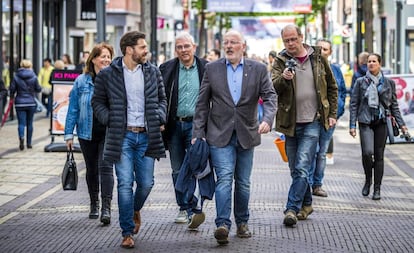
column 21, row 143
column 106, row 211
column 29, row 146
column 365, row 190
column 94, row 212
column 377, row 194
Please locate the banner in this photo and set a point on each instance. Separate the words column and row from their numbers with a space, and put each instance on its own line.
column 62, row 82
column 404, row 86
column 267, row 6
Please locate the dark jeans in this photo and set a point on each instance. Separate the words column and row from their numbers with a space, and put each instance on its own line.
column 47, row 102
column 98, row 171
column 178, row 144
column 373, row 138
column 25, row 117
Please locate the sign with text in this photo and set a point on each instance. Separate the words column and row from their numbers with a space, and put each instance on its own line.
column 62, row 82
column 296, row 6
column 88, row 10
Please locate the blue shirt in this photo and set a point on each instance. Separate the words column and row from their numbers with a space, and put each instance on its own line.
column 234, row 80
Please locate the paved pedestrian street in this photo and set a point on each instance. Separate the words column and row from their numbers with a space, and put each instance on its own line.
column 36, row 215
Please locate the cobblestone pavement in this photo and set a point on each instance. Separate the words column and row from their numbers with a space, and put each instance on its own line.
column 36, row 215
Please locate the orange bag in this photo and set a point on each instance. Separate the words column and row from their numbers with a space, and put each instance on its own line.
column 280, row 144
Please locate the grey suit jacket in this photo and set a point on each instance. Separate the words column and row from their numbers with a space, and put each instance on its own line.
column 217, row 116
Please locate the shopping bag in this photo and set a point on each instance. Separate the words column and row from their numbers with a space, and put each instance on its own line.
column 70, row 173
column 280, row 144
column 39, row 106
column 7, row 112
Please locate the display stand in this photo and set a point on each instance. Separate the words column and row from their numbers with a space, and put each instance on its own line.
column 404, row 88
column 62, row 82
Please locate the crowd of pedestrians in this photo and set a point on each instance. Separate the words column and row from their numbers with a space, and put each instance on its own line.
column 127, row 112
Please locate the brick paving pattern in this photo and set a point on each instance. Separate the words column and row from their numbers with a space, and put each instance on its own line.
column 36, row 215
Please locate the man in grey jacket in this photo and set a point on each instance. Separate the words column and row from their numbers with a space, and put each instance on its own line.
column 226, row 117
column 130, row 100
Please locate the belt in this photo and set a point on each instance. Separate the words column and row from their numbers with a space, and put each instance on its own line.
column 135, row 129
column 184, row 119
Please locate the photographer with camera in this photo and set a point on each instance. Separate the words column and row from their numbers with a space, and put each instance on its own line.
column 307, row 99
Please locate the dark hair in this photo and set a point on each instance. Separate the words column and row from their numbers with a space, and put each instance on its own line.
column 379, row 58
column 130, row 39
column 67, row 58
column 48, row 60
column 96, row 51
column 327, row 41
column 216, row 51
column 324, row 40
column 273, row 54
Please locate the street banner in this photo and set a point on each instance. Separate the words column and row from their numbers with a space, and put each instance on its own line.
column 261, row 6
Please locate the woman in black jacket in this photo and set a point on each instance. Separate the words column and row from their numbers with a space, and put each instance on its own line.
column 24, row 88
column 372, row 100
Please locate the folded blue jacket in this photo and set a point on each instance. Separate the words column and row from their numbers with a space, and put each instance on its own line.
column 196, row 170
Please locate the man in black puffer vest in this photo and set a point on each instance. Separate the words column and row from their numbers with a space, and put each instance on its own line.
column 130, row 100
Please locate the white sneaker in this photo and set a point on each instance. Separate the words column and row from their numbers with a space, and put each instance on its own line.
column 329, row 160
column 182, row 217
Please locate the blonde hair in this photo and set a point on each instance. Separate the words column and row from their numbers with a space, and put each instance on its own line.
column 27, row 64
column 59, row 64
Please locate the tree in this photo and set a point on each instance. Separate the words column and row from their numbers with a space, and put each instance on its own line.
column 368, row 18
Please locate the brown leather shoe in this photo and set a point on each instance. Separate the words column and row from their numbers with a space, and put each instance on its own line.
column 243, row 231
column 222, row 235
column 137, row 221
column 318, row 191
column 128, row 242
column 304, row 212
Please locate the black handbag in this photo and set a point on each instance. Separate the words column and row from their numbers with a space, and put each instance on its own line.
column 395, row 129
column 70, row 173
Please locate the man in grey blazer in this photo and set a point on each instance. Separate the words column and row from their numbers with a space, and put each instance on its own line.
column 226, row 117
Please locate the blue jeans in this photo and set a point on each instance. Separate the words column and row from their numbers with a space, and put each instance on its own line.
column 317, row 170
column 300, row 151
column 133, row 166
column 232, row 161
column 178, row 144
column 25, row 117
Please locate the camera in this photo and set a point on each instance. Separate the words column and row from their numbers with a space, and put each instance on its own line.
column 291, row 64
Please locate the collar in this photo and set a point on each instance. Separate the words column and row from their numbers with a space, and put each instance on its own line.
column 124, row 66
column 240, row 63
column 182, row 66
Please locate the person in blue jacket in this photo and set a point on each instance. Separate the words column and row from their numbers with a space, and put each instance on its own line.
column 317, row 170
column 24, row 89
column 91, row 133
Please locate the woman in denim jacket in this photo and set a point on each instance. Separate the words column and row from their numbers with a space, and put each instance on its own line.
column 91, row 133
column 372, row 99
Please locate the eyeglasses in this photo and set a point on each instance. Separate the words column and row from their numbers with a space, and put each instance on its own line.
column 290, row 40
column 183, row 47
column 231, row 42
